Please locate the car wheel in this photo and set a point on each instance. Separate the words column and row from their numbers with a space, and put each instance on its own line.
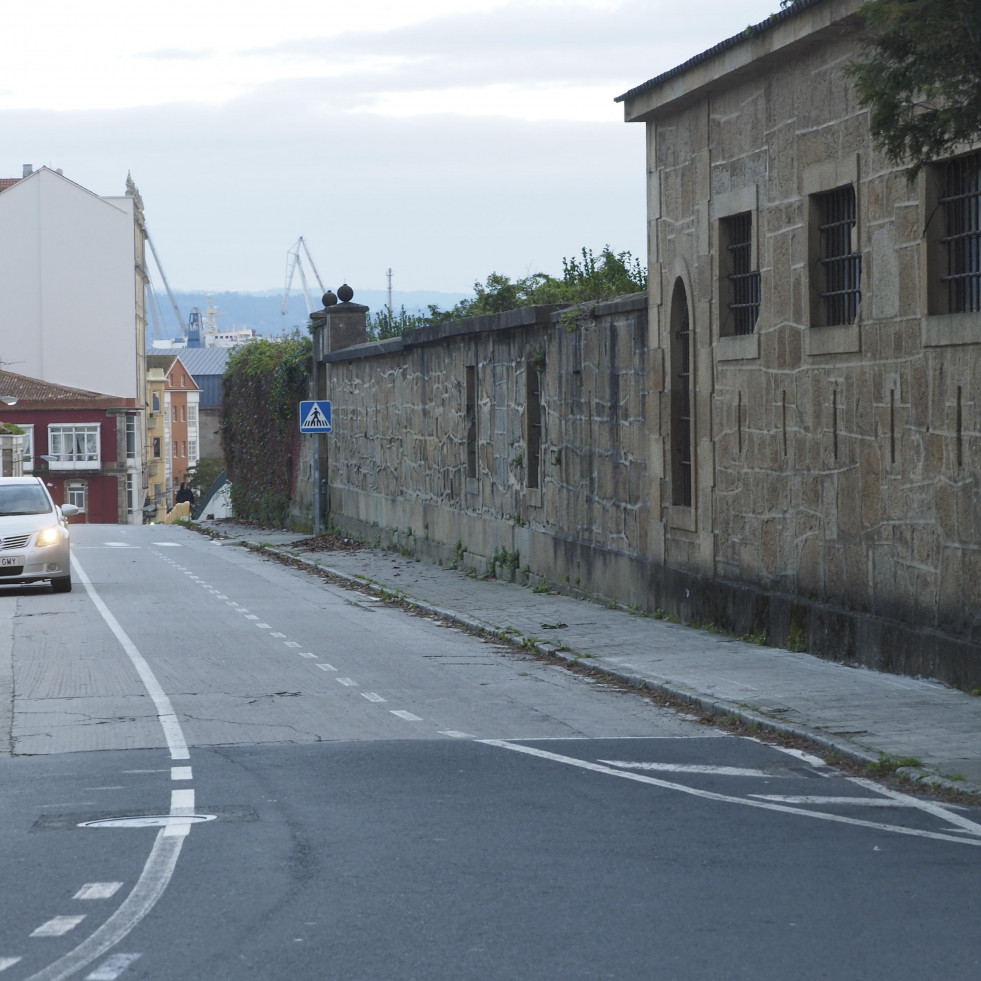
column 61, row 585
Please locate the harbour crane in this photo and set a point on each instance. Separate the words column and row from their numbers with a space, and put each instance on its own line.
column 293, row 264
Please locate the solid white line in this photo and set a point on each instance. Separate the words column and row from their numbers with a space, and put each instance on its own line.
column 745, row 801
column 165, row 711
column 454, row 734
column 58, row 926
column 111, row 968
column 856, row 801
column 924, row 805
column 721, row 771
column 146, row 893
column 98, row 890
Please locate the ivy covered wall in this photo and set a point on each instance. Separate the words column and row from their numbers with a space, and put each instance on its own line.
column 260, row 433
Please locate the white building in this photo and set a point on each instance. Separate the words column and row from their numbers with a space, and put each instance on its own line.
column 73, row 283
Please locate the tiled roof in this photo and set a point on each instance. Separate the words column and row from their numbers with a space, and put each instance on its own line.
column 6, row 182
column 36, row 393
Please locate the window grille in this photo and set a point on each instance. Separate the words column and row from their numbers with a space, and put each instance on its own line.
column 683, row 484
column 841, row 266
column 961, row 201
column 744, row 281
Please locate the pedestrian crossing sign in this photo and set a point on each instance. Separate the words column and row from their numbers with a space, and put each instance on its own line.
column 315, row 417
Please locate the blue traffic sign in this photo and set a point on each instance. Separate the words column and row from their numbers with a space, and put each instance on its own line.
column 315, row 417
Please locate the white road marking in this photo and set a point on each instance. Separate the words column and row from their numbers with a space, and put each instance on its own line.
column 721, row 771
column 180, row 773
column 764, row 805
column 278, row 635
column 58, row 926
column 455, row 734
column 168, row 544
column 98, row 890
column 816, row 799
column 249, row 616
column 408, row 716
column 323, row 665
column 261, row 626
column 111, row 968
column 295, row 646
column 372, row 696
column 6, row 962
column 165, row 711
column 347, row 682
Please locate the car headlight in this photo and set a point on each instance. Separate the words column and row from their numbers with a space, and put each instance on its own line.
column 49, row 536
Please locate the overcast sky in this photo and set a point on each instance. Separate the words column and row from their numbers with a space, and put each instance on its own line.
column 444, row 139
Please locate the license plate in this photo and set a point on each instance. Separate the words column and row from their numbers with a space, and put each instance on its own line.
column 9, row 560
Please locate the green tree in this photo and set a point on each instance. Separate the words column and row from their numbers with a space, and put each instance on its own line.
column 386, row 324
column 921, row 77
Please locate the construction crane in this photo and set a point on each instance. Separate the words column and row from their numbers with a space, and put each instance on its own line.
column 294, row 263
column 163, row 276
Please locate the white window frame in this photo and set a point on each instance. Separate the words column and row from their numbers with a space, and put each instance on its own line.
column 77, row 493
column 27, row 444
column 75, row 446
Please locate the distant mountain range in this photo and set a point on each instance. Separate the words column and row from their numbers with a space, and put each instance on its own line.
column 263, row 312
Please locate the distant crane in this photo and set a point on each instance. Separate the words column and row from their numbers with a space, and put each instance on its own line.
column 163, row 276
column 294, row 263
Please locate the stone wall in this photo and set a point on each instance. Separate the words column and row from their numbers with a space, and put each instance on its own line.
column 400, row 468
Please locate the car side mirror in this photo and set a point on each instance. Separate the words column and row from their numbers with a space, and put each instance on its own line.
column 70, row 510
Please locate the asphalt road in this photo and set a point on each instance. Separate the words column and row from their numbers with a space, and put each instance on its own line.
column 213, row 766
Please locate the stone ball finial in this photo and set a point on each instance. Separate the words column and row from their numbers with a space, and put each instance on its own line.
column 328, row 299
column 344, row 293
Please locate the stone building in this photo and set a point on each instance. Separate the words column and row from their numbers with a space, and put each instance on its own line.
column 815, row 321
column 781, row 439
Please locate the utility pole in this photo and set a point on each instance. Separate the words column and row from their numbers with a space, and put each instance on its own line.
column 389, row 292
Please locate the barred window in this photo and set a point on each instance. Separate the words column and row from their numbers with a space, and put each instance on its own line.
column 839, row 281
column 961, row 203
column 743, row 281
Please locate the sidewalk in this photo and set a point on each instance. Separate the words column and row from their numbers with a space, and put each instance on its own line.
column 862, row 714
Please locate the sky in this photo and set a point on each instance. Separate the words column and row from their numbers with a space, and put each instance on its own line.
column 441, row 139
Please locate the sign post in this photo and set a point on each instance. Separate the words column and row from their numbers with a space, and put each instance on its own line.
column 315, row 417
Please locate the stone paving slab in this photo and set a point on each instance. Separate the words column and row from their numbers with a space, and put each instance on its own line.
column 860, row 713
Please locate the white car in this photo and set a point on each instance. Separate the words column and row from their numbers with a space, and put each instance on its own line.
column 34, row 539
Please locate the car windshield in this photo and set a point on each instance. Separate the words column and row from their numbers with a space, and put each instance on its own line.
column 23, row 499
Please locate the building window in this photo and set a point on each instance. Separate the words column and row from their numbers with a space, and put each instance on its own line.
column 740, row 278
column 155, row 401
column 192, row 414
column 839, row 263
column 471, row 420
column 174, row 448
column 174, row 412
column 131, row 503
column 131, row 437
column 27, row 444
column 183, row 448
column 156, row 447
column 192, row 450
column 960, row 200
column 74, row 447
column 183, row 418
column 533, row 421
column 76, row 492
column 682, row 457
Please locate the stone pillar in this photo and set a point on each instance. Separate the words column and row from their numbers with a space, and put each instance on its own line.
column 339, row 325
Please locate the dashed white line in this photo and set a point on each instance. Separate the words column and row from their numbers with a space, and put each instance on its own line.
column 6, row 962
column 347, row 682
column 277, row 635
column 323, row 665
column 180, row 773
column 408, row 716
column 98, row 890
column 294, row 644
column 310, row 656
column 372, row 696
column 262, row 626
column 58, row 926
column 111, row 968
